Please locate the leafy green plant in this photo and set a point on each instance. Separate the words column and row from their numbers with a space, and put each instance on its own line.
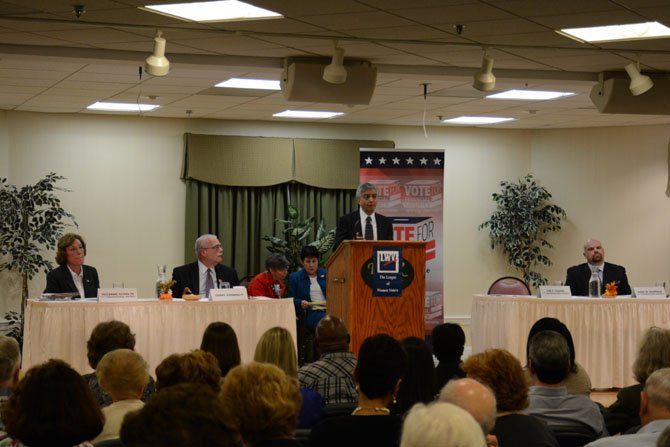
column 295, row 237
column 523, row 217
column 31, row 222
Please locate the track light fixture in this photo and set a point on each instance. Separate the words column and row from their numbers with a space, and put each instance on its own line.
column 335, row 73
column 157, row 64
column 484, row 80
column 639, row 83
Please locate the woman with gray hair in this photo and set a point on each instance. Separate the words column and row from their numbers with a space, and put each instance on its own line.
column 442, row 424
column 10, row 364
column 654, row 354
column 270, row 283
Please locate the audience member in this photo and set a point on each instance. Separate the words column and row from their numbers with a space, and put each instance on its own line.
column 502, row 372
column 51, row 407
column 106, row 337
column 187, row 414
column 382, row 363
column 220, row 340
column 332, row 375
column 276, row 346
column 71, row 275
column 122, row 373
column 308, row 285
column 653, row 354
column 418, row 385
column 549, row 363
column 577, row 380
column 262, row 404
column 194, row 367
column 440, row 424
column 206, row 273
column 10, row 365
column 270, row 283
column 578, row 276
column 664, row 439
column 478, row 400
column 654, row 414
column 448, row 344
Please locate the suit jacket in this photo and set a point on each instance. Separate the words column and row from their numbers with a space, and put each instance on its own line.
column 624, row 413
column 579, row 275
column 189, row 276
column 299, row 284
column 59, row 280
column 350, row 224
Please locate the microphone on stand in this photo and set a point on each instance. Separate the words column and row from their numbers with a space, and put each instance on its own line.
column 357, row 229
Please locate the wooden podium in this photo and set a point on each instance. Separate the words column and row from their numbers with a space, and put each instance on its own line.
column 350, row 297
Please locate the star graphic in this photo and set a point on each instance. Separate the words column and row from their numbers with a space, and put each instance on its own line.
column 396, row 161
column 437, row 161
column 424, row 161
column 368, row 161
column 382, row 161
column 410, row 161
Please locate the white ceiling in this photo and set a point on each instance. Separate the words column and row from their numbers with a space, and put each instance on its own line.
column 50, row 61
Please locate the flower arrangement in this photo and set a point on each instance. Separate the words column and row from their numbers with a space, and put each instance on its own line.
column 164, row 286
column 610, row 289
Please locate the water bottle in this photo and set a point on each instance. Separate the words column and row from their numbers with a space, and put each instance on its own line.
column 594, row 284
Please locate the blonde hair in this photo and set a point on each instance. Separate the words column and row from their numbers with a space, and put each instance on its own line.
column 122, row 372
column 261, row 402
column 442, row 424
column 276, row 346
column 654, row 353
column 10, row 357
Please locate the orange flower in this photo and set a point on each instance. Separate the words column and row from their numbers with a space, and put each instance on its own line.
column 610, row 289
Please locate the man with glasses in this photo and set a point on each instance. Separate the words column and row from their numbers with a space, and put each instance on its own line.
column 206, row 273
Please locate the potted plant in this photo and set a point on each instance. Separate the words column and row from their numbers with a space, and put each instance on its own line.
column 31, row 222
column 524, row 215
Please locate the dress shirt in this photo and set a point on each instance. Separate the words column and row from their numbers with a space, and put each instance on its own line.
column 315, row 292
column 364, row 218
column 202, row 269
column 645, row 437
column 332, row 377
column 556, row 407
column 78, row 279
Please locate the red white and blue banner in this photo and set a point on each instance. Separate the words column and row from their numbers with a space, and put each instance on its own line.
column 410, row 192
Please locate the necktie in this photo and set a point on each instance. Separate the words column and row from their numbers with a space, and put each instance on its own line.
column 209, row 283
column 369, row 234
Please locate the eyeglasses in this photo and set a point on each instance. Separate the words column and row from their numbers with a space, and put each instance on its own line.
column 217, row 247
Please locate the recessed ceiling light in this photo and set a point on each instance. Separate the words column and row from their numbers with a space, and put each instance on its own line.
column 217, row 11
column 306, row 114
column 122, row 107
column 258, row 84
column 537, row 95
column 630, row 31
column 477, row 120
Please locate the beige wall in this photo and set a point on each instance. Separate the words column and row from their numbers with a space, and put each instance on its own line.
column 128, row 199
column 4, row 145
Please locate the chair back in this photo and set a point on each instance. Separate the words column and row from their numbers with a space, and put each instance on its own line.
column 302, row 436
column 573, row 435
column 114, row 442
column 509, row 285
column 343, row 409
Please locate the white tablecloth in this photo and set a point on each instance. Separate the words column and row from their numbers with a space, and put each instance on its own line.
column 61, row 329
column 606, row 331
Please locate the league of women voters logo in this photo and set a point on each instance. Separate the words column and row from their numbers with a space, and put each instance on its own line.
column 388, row 261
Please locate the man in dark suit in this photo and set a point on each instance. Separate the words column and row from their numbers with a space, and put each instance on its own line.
column 579, row 275
column 364, row 223
column 206, row 273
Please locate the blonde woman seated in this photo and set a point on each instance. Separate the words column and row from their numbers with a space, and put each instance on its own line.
column 261, row 403
column 276, row 346
column 123, row 375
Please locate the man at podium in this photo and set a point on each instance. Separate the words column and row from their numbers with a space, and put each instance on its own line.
column 364, row 223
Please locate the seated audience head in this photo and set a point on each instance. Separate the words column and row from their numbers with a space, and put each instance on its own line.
column 473, row 397
column 448, row 342
column 553, row 324
column 655, row 398
column 664, row 439
column 261, row 402
column 52, row 406
column 122, row 373
column 277, row 265
column 10, row 361
column 440, row 424
column 309, row 255
column 220, row 340
column 382, row 364
column 66, row 241
column 188, row 414
column 208, row 250
column 194, row 367
column 549, row 357
column 108, row 336
column 418, row 385
column 654, row 353
column 332, row 335
column 276, row 346
column 503, row 373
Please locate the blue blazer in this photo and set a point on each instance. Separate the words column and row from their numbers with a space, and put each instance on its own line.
column 298, row 286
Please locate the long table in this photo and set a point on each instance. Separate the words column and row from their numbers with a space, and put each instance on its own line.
column 61, row 329
column 606, row 332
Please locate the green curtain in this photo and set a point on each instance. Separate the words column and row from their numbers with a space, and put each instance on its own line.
column 241, row 216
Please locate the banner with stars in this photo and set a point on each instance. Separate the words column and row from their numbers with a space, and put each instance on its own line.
column 409, row 191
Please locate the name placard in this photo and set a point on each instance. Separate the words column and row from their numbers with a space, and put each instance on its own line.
column 649, row 292
column 555, row 292
column 234, row 294
column 117, row 295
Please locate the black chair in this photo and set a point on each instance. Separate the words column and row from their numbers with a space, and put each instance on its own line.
column 302, row 436
column 573, row 435
column 334, row 410
column 115, row 442
column 509, row 285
